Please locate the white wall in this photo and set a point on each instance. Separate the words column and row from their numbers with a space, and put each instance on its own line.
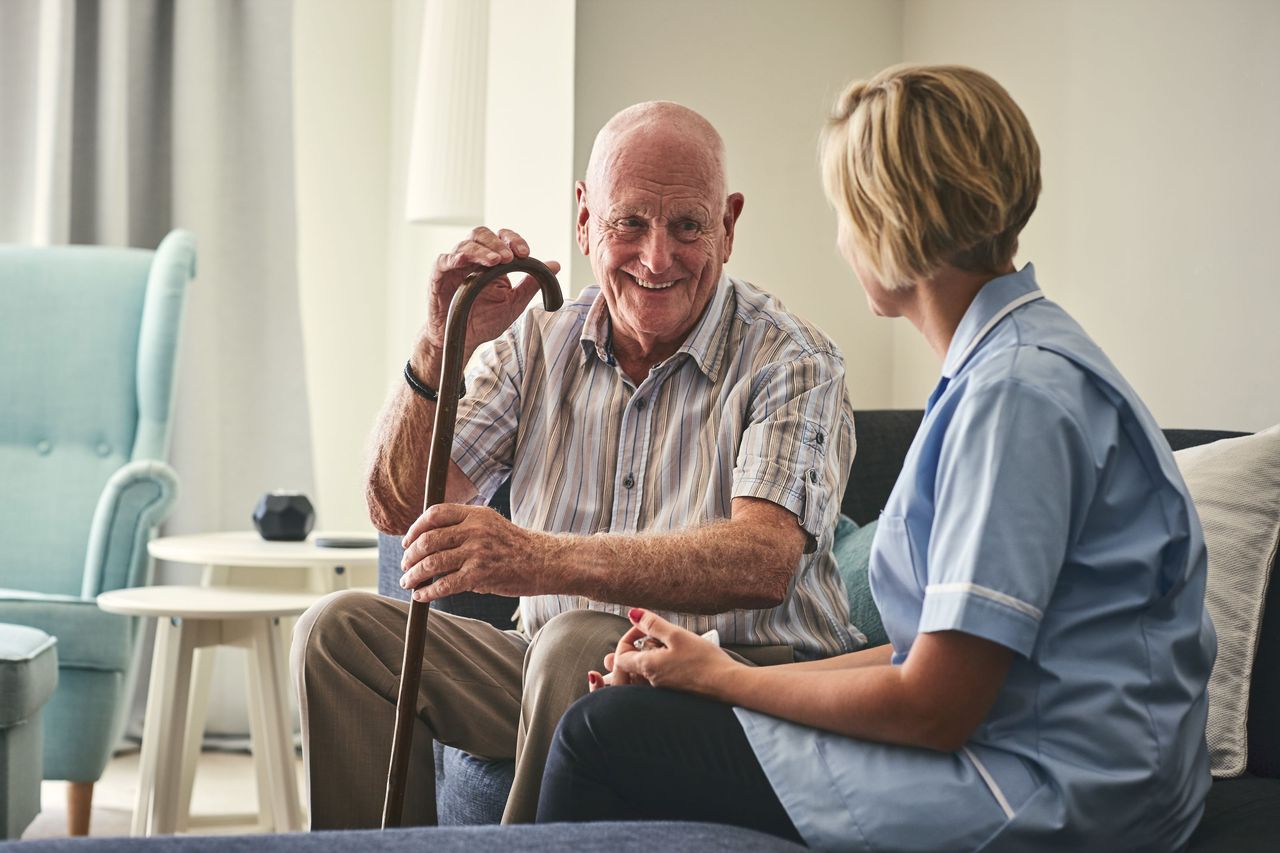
column 765, row 74
column 342, row 114
column 1159, row 129
column 529, row 125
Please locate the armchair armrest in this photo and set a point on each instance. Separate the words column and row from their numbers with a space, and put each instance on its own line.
column 136, row 499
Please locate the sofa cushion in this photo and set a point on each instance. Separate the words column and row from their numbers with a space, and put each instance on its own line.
column 603, row 837
column 1235, row 484
column 852, row 550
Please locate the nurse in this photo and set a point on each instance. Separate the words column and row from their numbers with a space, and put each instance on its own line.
column 1039, row 566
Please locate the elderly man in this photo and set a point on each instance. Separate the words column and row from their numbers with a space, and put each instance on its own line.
column 675, row 440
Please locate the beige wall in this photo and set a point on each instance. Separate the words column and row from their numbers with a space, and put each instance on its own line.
column 1160, row 131
column 765, row 74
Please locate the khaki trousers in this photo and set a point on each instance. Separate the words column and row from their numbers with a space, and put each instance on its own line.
column 489, row 692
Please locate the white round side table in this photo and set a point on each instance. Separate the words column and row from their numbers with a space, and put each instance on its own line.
column 330, row 568
column 196, row 617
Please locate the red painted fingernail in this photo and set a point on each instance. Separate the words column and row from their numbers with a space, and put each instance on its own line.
column 635, row 614
column 592, row 678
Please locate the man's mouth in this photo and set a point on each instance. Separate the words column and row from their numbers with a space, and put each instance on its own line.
column 654, row 285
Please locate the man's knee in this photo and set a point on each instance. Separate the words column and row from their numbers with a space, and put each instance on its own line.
column 568, row 636
column 331, row 622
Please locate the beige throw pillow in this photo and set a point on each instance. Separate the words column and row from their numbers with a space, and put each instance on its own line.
column 1235, row 484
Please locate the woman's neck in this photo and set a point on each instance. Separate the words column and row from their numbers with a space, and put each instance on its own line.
column 938, row 304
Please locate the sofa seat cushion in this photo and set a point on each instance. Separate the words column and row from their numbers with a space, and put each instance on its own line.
column 1239, row 817
column 28, row 672
column 88, row 638
column 471, row 791
column 603, row 837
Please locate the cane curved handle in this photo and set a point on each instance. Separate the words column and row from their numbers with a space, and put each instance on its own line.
column 455, row 334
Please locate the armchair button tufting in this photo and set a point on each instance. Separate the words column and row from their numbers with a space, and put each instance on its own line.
column 103, row 449
column 43, row 448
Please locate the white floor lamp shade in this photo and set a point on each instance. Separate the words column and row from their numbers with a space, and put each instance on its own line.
column 446, row 158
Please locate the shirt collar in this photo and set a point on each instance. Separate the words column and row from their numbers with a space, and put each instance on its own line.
column 705, row 343
column 994, row 301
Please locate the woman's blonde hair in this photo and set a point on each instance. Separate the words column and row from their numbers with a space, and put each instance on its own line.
column 930, row 165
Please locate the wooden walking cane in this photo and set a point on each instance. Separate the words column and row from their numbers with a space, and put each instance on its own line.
column 455, row 333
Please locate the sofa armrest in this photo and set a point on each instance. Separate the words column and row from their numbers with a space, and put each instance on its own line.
column 135, row 499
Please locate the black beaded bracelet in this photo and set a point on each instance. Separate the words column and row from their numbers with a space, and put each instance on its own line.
column 424, row 390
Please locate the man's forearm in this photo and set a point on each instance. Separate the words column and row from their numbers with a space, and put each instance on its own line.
column 729, row 565
column 396, row 483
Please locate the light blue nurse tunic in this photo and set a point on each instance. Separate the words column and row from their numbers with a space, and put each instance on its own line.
column 1039, row 507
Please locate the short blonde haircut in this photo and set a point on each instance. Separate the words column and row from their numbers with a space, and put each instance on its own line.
column 930, row 165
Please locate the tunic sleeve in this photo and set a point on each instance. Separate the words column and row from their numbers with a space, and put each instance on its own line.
column 1014, row 473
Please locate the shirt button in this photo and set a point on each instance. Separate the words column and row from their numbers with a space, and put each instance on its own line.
column 43, row 448
column 628, row 482
column 640, row 405
column 813, row 476
column 819, row 439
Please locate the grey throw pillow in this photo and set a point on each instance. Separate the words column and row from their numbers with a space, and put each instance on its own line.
column 1235, row 484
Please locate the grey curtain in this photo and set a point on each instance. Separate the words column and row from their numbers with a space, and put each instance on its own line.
column 121, row 119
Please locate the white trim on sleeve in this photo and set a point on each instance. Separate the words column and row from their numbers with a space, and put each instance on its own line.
column 988, row 593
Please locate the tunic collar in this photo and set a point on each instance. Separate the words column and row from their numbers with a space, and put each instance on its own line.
column 996, row 300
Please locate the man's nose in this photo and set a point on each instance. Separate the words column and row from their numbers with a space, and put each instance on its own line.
column 656, row 252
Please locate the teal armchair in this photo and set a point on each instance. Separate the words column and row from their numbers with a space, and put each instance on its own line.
column 88, row 337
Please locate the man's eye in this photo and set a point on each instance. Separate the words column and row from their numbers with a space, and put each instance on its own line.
column 687, row 229
column 630, row 223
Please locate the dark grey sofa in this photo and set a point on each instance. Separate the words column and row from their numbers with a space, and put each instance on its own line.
column 1241, row 814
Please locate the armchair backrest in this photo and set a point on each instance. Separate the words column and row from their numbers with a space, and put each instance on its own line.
column 88, row 337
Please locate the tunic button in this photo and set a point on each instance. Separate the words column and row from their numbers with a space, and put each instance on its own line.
column 103, row 449
column 640, row 405
column 43, row 448
column 628, row 482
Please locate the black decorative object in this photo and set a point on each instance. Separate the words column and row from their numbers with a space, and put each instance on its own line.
column 284, row 516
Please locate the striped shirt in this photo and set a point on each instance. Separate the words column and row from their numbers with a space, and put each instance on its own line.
column 752, row 405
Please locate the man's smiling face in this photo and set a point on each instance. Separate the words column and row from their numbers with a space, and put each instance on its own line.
column 658, row 228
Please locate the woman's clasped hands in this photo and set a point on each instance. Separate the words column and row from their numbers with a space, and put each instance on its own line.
column 659, row 654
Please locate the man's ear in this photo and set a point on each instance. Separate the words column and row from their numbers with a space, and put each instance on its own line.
column 732, row 210
column 584, row 217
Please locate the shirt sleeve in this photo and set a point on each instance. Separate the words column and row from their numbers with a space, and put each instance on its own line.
column 1013, row 470
column 798, row 444
column 484, row 438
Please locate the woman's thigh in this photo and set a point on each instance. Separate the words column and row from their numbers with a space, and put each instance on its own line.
column 643, row 753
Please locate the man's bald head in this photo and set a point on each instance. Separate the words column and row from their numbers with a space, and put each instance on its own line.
column 656, row 123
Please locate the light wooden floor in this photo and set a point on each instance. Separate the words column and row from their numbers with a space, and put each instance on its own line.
column 224, row 785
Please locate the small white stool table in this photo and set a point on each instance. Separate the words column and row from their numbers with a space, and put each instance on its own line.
column 243, row 558
column 194, row 617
